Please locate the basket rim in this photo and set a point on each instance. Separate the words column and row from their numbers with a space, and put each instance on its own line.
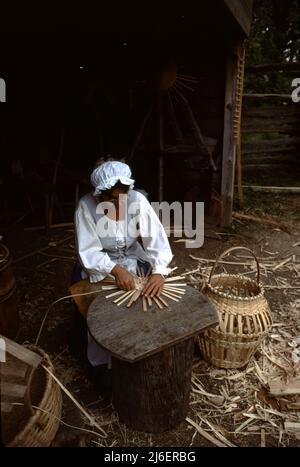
column 234, row 297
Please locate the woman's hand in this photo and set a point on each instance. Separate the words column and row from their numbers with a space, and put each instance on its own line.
column 154, row 285
column 124, row 279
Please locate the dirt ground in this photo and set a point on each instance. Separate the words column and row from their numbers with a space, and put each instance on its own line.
column 44, row 276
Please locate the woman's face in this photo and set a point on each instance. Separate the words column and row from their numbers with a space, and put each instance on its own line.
column 114, row 193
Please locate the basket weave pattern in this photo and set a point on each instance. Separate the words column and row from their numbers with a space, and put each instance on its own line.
column 41, row 427
column 244, row 318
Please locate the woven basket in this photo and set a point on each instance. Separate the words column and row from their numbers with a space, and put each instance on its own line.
column 42, row 426
column 244, row 318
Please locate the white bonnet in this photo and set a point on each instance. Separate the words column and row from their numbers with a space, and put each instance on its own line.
column 108, row 174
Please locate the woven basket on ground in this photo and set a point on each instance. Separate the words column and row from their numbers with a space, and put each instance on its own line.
column 43, row 424
column 244, row 318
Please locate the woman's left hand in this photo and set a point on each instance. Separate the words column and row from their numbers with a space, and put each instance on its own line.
column 154, row 285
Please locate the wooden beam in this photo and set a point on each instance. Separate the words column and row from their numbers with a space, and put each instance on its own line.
column 13, row 368
column 283, row 126
column 270, row 146
column 6, row 407
column 271, row 96
column 242, row 12
column 279, row 110
column 12, row 390
column 274, row 189
column 229, row 145
column 267, row 67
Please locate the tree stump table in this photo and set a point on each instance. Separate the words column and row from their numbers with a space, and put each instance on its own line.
column 152, row 355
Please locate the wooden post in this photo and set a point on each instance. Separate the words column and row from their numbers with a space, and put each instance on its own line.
column 152, row 395
column 229, row 145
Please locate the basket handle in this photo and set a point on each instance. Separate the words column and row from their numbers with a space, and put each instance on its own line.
column 229, row 251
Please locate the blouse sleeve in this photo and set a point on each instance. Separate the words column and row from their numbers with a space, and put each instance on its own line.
column 94, row 260
column 154, row 238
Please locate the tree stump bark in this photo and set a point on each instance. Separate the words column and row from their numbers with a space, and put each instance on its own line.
column 152, row 394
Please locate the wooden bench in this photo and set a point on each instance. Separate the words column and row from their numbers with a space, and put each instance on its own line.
column 152, row 355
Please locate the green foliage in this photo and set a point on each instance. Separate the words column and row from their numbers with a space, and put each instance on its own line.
column 275, row 38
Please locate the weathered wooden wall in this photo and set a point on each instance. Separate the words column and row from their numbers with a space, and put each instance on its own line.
column 270, row 132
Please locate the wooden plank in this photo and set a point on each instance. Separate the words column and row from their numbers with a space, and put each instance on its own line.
column 12, row 390
column 268, row 96
column 279, row 387
column 280, row 152
column 131, row 334
column 229, row 146
column 15, row 368
column 273, row 189
column 242, row 12
column 274, row 111
column 22, row 353
column 275, row 158
column 271, row 126
column 283, row 128
column 6, row 407
column 266, row 67
column 275, row 145
column 284, row 118
column 276, row 165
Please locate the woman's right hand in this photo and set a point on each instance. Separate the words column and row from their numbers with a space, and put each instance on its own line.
column 124, row 279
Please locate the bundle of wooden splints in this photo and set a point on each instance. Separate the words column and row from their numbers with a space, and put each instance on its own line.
column 172, row 290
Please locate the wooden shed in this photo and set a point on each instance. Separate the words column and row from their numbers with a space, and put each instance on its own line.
column 198, row 108
column 161, row 88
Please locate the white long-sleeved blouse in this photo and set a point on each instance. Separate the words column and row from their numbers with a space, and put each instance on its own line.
column 98, row 253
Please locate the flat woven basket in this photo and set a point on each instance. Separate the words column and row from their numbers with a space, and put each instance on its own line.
column 42, row 426
column 244, row 318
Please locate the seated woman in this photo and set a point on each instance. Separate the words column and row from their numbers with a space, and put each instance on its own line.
column 117, row 234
